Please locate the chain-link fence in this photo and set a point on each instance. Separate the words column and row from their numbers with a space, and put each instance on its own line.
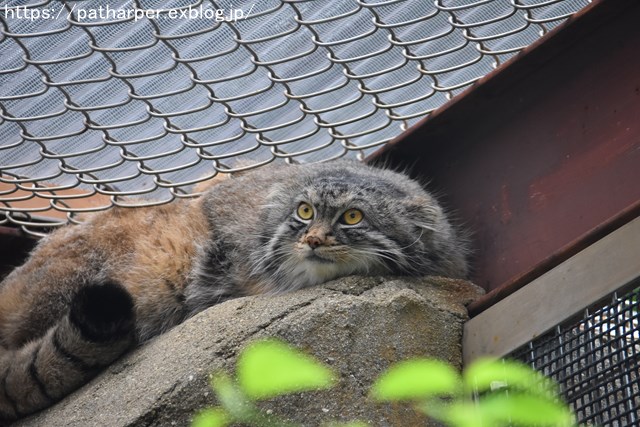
column 124, row 103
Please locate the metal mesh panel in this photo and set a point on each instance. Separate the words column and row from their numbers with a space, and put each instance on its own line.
column 121, row 109
column 596, row 360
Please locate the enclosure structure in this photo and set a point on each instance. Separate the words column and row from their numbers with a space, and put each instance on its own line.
column 540, row 158
column 549, row 181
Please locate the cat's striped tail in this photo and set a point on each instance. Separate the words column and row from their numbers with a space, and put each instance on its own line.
column 98, row 329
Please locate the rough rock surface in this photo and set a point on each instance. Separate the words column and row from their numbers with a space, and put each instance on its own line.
column 357, row 325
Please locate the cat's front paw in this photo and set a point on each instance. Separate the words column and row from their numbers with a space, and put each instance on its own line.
column 103, row 312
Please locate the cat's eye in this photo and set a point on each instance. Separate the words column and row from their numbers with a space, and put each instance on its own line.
column 352, row 217
column 305, row 211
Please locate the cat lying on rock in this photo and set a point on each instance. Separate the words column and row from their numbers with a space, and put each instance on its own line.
column 89, row 292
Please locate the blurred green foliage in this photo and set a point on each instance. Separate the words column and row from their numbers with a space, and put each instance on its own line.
column 490, row 393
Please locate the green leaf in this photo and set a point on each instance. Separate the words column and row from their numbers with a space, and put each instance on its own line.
column 271, row 368
column 229, row 396
column 500, row 410
column 526, row 410
column 456, row 414
column 214, row 417
column 416, row 379
column 490, row 374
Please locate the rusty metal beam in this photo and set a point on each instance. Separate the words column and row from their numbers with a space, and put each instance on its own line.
column 541, row 157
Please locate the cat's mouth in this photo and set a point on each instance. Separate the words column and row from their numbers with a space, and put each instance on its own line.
column 315, row 257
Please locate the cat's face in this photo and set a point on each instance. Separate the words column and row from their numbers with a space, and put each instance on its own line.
column 340, row 223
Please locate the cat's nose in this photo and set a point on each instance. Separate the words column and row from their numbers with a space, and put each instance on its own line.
column 313, row 241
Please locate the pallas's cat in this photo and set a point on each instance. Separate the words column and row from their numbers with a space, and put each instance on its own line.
column 89, row 292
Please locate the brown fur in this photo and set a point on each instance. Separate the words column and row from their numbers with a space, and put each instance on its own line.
column 131, row 246
column 149, row 251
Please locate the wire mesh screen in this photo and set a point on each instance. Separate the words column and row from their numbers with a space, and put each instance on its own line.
column 130, row 103
column 596, row 360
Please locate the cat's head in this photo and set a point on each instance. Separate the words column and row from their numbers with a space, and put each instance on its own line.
column 337, row 219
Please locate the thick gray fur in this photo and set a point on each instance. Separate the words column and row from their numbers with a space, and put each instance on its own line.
column 257, row 234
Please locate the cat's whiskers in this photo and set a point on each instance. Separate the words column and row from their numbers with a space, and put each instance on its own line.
column 269, row 257
column 377, row 254
column 297, row 271
column 366, row 262
column 415, row 241
column 424, row 226
column 392, row 255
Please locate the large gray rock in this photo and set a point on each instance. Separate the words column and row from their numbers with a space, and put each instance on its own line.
column 357, row 325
